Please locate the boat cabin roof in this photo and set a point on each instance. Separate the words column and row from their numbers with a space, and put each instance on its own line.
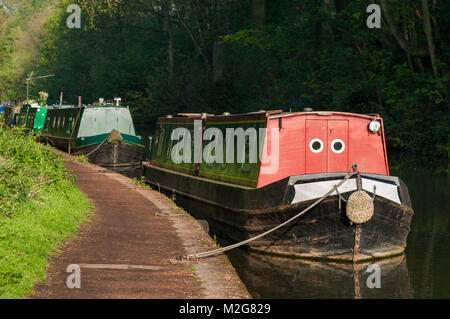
column 274, row 114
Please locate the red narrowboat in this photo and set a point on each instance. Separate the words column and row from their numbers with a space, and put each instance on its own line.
column 209, row 162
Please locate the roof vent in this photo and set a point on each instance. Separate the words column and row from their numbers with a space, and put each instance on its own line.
column 226, row 113
column 169, row 116
column 307, row 109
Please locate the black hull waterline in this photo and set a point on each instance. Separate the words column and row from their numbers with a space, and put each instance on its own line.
column 116, row 155
column 238, row 213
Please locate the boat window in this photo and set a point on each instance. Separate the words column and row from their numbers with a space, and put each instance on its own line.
column 209, row 155
column 337, row 146
column 169, row 149
column 160, row 140
column 316, row 145
column 69, row 125
column 227, row 143
column 246, row 166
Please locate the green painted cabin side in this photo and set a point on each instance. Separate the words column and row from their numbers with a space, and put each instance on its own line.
column 236, row 171
column 32, row 118
column 90, row 125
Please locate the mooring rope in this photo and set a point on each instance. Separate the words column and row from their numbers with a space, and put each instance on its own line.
column 98, row 146
column 221, row 250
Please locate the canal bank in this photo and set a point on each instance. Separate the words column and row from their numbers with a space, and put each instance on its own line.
column 127, row 248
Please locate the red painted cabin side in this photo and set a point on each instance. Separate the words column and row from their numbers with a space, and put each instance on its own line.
column 323, row 142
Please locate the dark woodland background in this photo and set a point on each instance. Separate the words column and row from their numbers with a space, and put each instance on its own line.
column 169, row 56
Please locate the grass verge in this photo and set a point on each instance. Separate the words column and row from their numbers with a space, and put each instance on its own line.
column 39, row 209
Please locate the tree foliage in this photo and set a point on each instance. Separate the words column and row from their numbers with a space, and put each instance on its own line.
column 169, row 56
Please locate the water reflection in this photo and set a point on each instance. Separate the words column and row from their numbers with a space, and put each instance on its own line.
column 423, row 272
column 274, row 277
column 428, row 249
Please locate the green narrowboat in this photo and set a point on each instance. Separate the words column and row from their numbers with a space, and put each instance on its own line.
column 32, row 118
column 11, row 115
column 7, row 114
column 104, row 133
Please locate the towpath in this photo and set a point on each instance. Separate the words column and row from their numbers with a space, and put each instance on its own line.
column 125, row 250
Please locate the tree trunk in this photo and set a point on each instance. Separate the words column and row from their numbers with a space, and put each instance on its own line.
column 197, row 45
column 259, row 12
column 326, row 6
column 340, row 5
column 170, row 49
column 429, row 35
column 401, row 41
column 218, row 58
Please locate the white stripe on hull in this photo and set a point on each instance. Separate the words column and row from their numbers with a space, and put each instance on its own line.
column 314, row 190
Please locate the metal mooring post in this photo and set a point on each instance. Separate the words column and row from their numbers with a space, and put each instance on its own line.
column 357, row 291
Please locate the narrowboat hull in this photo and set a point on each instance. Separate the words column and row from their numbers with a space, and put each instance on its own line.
column 238, row 213
column 101, row 152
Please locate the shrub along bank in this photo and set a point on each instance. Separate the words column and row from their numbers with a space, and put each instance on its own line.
column 39, row 208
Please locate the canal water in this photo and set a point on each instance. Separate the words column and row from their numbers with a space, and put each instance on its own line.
column 422, row 272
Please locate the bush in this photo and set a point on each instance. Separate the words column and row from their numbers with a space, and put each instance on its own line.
column 39, row 208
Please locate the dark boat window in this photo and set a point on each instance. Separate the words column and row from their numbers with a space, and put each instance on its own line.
column 69, row 125
column 337, row 146
column 246, row 166
column 227, row 142
column 169, row 149
column 210, row 155
column 160, row 141
column 316, row 146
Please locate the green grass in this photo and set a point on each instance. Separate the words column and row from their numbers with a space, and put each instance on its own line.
column 82, row 159
column 28, row 239
column 39, row 209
